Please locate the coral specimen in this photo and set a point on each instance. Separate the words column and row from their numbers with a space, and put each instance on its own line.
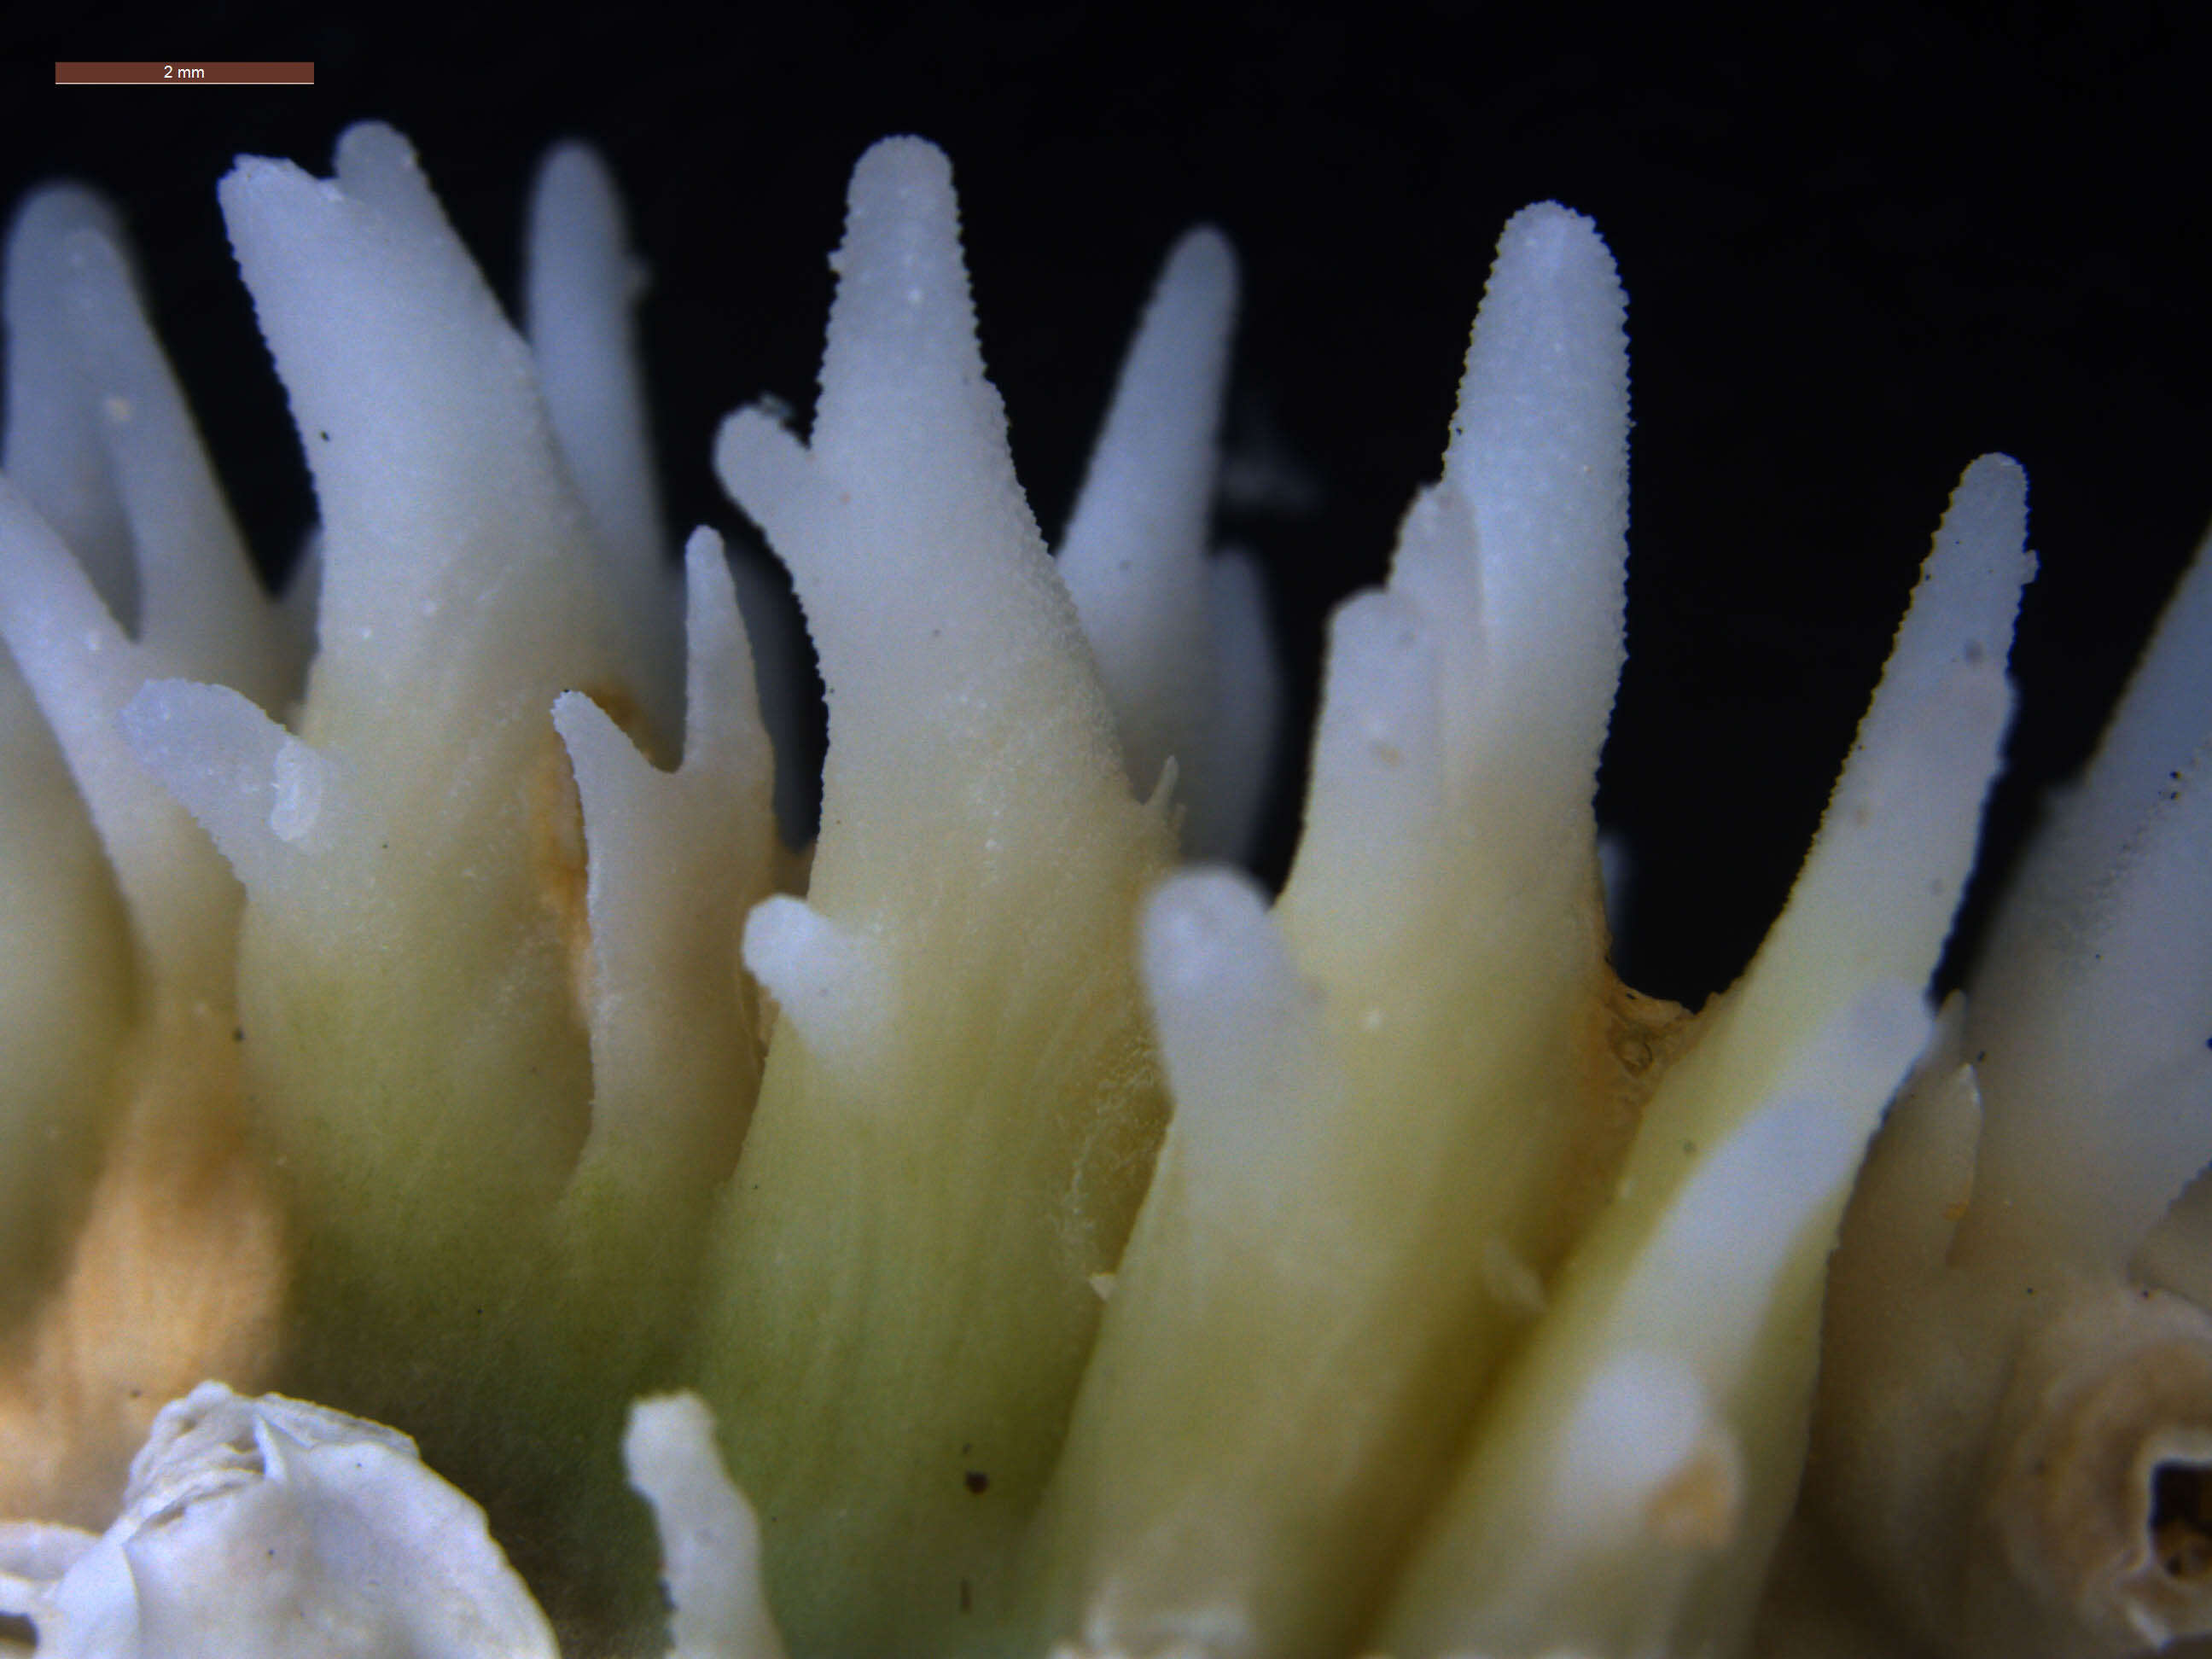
column 1025, row 1242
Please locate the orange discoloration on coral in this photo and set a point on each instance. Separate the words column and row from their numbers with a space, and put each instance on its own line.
column 1697, row 1507
column 177, row 1274
column 1630, row 1040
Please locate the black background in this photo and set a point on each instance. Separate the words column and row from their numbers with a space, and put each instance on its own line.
column 1860, row 249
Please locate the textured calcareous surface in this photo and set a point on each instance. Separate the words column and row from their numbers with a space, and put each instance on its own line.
column 1019, row 1238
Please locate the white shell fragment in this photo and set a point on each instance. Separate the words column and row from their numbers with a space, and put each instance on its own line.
column 271, row 1528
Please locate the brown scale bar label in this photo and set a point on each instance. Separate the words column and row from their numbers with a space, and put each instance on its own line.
column 159, row 74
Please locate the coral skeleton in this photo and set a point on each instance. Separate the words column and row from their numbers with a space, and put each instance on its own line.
column 1003, row 1227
